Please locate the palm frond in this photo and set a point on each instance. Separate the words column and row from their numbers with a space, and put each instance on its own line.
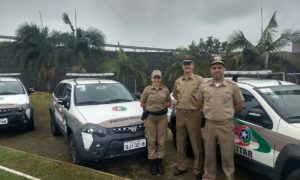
column 237, row 40
column 67, row 20
column 267, row 36
column 286, row 37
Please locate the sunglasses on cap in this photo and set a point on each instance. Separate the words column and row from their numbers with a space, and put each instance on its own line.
column 186, row 63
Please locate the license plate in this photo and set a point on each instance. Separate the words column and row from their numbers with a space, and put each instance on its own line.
column 3, row 121
column 134, row 144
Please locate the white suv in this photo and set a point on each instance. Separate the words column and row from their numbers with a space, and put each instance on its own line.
column 268, row 128
column 100, row 118
column 16, row 109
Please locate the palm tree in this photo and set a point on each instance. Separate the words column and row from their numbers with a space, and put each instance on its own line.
column 34, row 49
column 78, row 45
column 266, row 44
column 175, row 69
column 125, row 67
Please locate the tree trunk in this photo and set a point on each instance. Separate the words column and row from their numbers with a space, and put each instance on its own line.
column 267, row 60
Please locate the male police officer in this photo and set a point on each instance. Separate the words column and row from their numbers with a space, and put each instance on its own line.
column 188, row 118
column 220, row 99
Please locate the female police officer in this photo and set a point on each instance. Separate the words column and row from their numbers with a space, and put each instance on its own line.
column 155, row 100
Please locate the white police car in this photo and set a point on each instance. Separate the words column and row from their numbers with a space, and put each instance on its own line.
column 99, row 117
column 15, row 107
column 267, row 134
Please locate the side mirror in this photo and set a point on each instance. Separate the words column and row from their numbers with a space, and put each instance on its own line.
column 64, row 101
column 259, row 116
column 137, row 95
column 30, row 91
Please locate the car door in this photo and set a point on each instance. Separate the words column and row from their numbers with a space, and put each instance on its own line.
column 64, row 109
column 253, row 133
column 58, row 108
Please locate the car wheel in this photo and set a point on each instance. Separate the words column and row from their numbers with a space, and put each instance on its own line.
column 54, row 127
column 294, row 175
column 189, row 149
column 74, row 153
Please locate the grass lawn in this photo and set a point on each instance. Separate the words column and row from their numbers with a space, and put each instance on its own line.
column 44, row 168
column 8, row 175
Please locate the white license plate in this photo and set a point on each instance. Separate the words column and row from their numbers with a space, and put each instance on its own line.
column 134, row 144
column 3, row 121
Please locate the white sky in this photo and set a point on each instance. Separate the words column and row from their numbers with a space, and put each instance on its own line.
column 154, row 23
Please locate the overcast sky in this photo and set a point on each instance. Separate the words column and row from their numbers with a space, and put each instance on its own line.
column 154, row 23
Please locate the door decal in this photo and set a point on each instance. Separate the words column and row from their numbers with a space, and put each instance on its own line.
column 246, row 134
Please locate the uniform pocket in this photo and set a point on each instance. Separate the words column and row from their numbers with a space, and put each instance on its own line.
column 227, row 97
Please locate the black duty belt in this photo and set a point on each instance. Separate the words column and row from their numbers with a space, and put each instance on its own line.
column 158, row 113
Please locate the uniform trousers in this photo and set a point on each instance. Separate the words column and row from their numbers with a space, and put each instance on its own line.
column 188, row 126
column 156, row 130
column 223, row 133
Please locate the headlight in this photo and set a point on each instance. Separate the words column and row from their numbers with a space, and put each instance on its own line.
column 94, row 129
column 23, row 107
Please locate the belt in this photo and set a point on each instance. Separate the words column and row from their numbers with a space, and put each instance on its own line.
column 188, row 110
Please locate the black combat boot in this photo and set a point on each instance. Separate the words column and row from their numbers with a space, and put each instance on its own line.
column 153, row 169
column 160, row 167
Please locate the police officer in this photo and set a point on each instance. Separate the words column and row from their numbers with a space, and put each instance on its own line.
column 220, row 99
column 155, row 100
column 188, row 118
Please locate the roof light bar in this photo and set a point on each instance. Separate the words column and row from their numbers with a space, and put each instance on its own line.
column 262, row 72
column 10, row 74
column 89, row 74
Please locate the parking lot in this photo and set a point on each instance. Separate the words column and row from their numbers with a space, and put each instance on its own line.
column 41, row 142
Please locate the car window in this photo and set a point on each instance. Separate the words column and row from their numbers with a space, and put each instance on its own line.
column 104, row 93
column 60, row 90
column 55, row 92
column 67, row 91
column 285, row 101
column 11, row 88
column 251, row 108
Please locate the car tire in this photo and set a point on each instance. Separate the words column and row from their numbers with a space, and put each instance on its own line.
column 294, row 175
column 189, row 149
column 54, row 127
column 74, row 152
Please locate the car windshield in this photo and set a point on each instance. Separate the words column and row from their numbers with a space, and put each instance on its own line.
column 285, row 100
column 11, row 88
column 104, row 93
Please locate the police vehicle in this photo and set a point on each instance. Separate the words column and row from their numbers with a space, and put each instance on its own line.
column 267, row 133
column 99, row 117
column 16, row 109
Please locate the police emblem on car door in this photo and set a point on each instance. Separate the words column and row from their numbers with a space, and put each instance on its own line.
column 253, row 132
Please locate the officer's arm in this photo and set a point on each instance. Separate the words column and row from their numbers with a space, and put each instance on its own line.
column 168, row 100
column 175, row 93
column 238, row 100
column 144, row 98
column 200, row 98
column 238, row 107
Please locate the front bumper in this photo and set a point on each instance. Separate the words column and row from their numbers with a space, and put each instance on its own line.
column 15, row 118
column 110, row 146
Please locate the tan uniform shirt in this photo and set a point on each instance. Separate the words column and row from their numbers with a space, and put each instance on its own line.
column 185, row 91
column 218, row 102
column 155, row 99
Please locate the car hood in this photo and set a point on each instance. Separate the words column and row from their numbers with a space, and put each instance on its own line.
column 113, row 115
column 297, row 125
column 13, row 100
